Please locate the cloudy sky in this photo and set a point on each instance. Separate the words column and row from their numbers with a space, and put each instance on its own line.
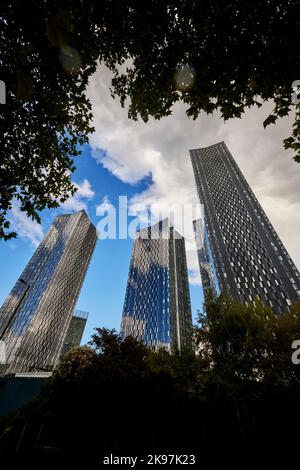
column 149, row 163
column 160, row 149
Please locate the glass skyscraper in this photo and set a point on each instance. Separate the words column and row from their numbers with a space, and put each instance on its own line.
column 75, row 331
column 35, row 317
column 206, row 264
column 241, row 247
column 157, row 306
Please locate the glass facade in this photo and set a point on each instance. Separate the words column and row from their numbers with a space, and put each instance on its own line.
column 157, row 307
column 248, row 257
column 205, row 259
column 35, row 317
column 75, row 331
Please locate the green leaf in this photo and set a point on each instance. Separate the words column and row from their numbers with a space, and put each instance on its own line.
column 24, row 85
column 270, row 120
column 59, row 28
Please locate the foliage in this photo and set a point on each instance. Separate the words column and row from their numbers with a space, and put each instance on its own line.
column 249, row 342
column 239, row 392
column 47, row 115
column 210, row 55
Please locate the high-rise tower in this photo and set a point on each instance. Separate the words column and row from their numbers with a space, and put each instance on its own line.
column 245, row 252
column 206, row 264
column 157, row 307
column 75, row 331
column 36, row 315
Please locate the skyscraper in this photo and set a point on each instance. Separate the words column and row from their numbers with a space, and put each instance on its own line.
column 75, row 331
column 36, row 315
column 157, row 307
column 205, row 259
column 245, row 253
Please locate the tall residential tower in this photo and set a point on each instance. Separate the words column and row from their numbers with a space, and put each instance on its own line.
column 245, row 253
column 75, row 331
column 35, row 317
column 206, row 264
column 157, row 306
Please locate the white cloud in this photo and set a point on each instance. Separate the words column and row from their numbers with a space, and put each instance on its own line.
column 83, row 194
column 73, row 204
column 24, row 226
column 135, row 150
column 84, row 190
column 30, row 230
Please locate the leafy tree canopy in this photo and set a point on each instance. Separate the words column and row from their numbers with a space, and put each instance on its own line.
column 211, row 55
column 248, row 342
column 240, row 392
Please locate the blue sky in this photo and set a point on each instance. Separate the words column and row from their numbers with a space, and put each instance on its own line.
column 103, row 291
